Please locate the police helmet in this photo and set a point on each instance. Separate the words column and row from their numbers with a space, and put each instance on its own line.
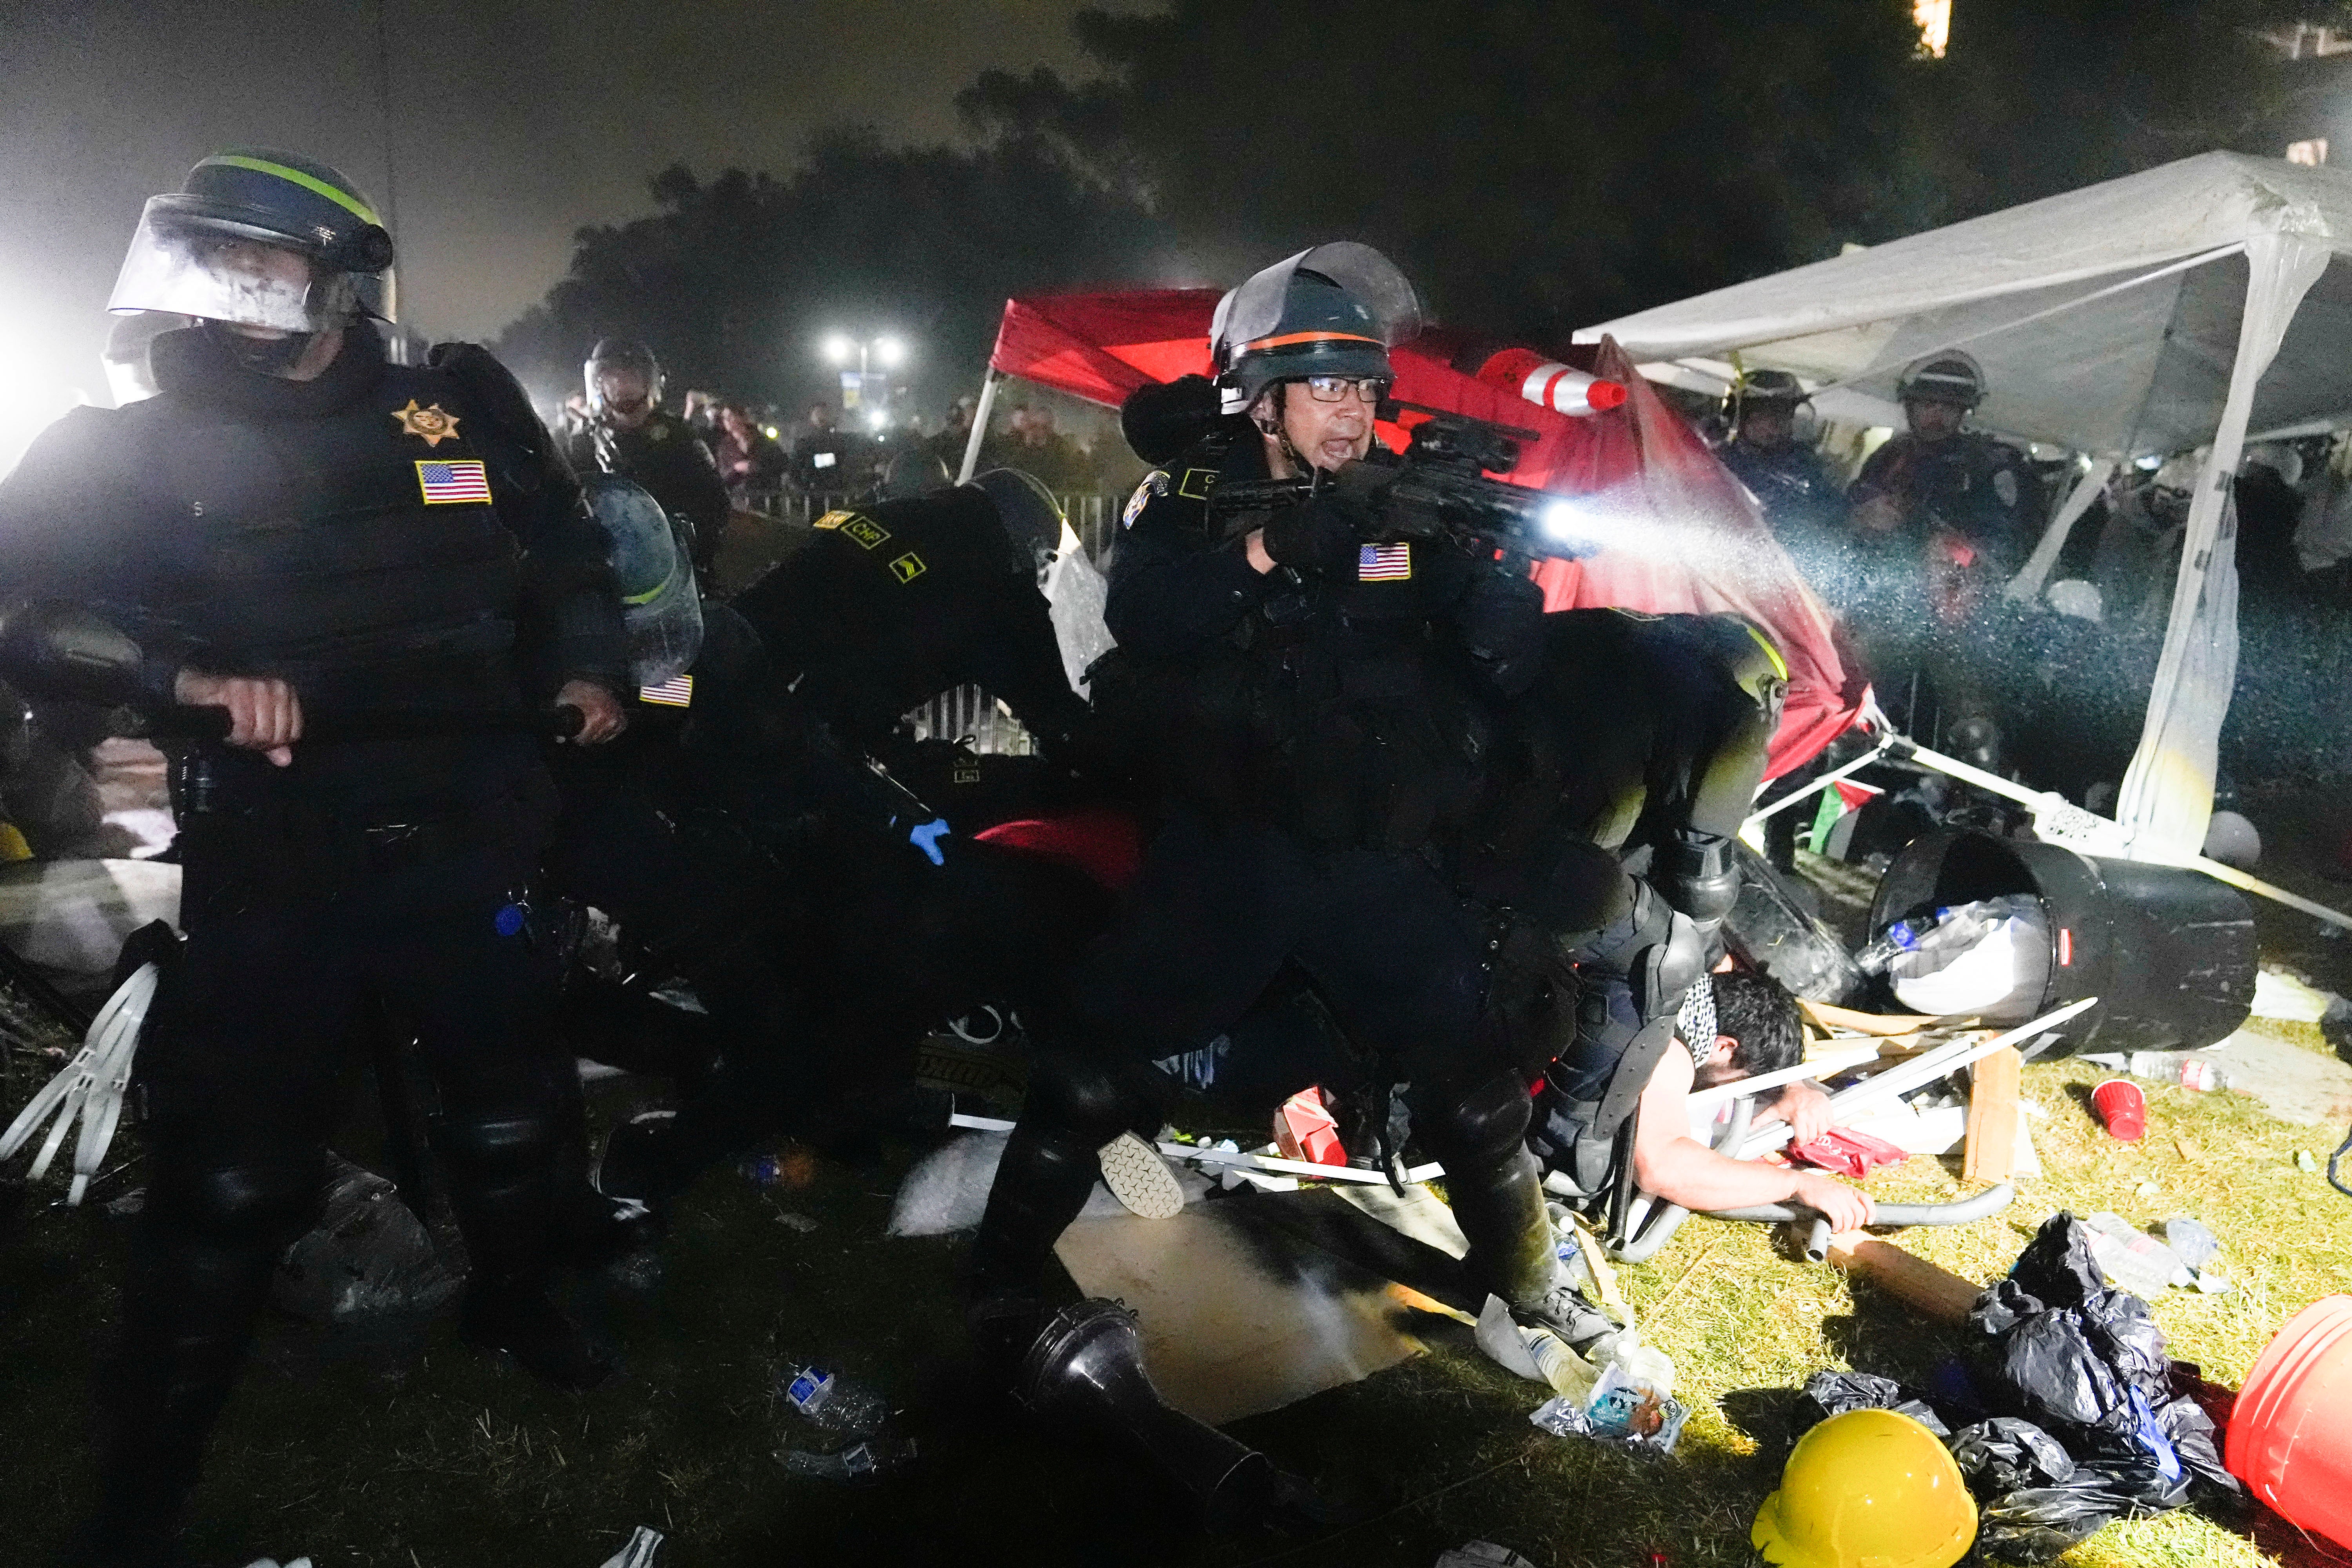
column 1031, row 518
column 660, row 609
column 1948, row 377
column 180, row 259
column 619, row 355
column 1333, row 309
column 1762, row 389
column 915, row 472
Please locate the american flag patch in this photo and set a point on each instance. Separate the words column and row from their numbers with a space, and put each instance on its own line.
column 1384, row 562
column 678, row 692
column 447, row 483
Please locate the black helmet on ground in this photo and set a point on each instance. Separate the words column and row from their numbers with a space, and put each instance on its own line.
column 206, row 251
column 1031, row 517
column 621, row 361
column 1330, row 311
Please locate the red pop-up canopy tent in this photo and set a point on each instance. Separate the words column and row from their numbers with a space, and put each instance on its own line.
column 1684, row 537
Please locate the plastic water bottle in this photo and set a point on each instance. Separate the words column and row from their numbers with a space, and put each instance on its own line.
column 1955, row 928
column 831, row 1401
column 1900, row 937
column 1568, row 1372
column 2172, row 1067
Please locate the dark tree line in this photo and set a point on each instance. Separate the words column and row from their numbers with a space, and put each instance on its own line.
column 736, row 282
column 1537, row 165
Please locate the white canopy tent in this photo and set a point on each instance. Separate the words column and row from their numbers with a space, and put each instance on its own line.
column 2182, row 308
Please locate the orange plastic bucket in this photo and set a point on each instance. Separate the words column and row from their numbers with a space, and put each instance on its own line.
column 2291, row 1432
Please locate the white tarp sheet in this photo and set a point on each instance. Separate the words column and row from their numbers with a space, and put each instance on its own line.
column 2107, row 319
column 2186, row 307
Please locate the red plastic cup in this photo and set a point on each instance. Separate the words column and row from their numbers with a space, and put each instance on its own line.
column 2122, row 1108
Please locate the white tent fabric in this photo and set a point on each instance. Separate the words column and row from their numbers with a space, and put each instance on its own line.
column 2177, row 308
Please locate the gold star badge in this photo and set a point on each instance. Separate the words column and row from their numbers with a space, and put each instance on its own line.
column 431, row 423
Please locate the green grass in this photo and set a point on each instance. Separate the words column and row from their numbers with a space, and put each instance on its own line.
column 443, row 1460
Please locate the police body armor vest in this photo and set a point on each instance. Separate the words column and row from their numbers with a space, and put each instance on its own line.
column 1334, row 712
column 349, row 554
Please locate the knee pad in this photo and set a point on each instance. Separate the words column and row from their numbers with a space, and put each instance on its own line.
column 505, row 1145
column 266, row 1203
column 1667, row 969
column 1696, row 872
column 1473, row 1124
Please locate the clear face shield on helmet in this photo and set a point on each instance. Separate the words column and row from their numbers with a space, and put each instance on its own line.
column 617, row 388
column 659, row 606
column 222, row 271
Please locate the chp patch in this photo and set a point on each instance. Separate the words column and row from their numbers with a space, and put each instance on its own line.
column 453, row 483
column 1155, row 483
column 1384, row 562
column 854, row 526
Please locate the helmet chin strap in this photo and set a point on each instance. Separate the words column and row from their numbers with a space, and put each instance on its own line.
column 269, row 356
column 1279, row 429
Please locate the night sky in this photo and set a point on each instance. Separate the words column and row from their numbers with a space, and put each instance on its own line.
column 514, row 122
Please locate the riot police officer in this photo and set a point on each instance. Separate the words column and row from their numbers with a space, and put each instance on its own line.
column 1940, row 477
column 881, row 607
column 1316, row 688
column 1942, row 516
column 1800, row 498
column 628, row 433
column 877, row 611
column 295, row 527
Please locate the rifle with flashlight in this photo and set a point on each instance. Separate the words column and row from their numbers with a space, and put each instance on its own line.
column 1439, row 490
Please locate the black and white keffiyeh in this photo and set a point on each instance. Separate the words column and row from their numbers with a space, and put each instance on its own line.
column 1695, row 1021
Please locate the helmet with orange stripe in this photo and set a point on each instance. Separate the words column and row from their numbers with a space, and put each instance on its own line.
column 1329, row 311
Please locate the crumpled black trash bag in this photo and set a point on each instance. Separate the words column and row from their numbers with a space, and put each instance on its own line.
column 2057, row 1266
column 367, row 1256
column 2198, row 1442
column 2087, row 1365
column 2034, row 1500
column 1829, row 1394
column 2036, row 1523
column 2006, row 1455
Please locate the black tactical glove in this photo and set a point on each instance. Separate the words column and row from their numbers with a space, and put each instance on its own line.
column 1319, row 535
column 1502, row 628
column 1366, row 492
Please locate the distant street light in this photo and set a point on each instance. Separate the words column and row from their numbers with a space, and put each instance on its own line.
column 887, row 349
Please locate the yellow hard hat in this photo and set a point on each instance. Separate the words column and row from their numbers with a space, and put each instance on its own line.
column 1867, row 1490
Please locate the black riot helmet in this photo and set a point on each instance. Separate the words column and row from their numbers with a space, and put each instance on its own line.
column 1330, row 311
column 660, row 608
column 1031, row 518
column 189, row 256
column 915, row 472
column 623, row 356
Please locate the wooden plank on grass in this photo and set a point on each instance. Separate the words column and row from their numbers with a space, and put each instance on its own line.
column 1993, row 1083
column 1830, row 1017
column 1936, row 1292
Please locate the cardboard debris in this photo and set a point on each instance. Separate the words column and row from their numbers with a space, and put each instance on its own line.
column 1240, row 1312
